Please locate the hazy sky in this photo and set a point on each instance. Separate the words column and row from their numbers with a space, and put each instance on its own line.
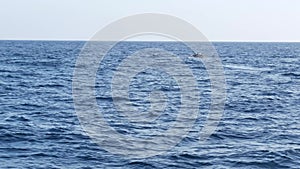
column 229, row 20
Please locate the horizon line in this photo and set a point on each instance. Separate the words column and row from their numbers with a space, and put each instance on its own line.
column 85, row 40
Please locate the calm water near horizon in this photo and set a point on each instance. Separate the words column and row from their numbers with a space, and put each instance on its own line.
column 260, row 127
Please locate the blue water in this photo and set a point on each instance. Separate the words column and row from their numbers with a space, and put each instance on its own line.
column 260, row 127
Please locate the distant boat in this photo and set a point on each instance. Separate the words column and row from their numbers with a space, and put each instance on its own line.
column 197, row 55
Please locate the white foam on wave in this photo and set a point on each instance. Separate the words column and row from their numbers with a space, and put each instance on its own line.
column 249, row 68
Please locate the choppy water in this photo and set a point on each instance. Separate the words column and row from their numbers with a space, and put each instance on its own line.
column 260, row 127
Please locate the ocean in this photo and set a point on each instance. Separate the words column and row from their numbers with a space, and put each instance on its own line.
column 260, row 125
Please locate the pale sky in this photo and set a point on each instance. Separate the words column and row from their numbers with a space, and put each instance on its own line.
column 218, row 20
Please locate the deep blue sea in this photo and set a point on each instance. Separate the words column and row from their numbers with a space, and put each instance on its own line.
column 260, row 127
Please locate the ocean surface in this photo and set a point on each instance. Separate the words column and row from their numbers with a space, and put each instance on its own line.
column 260, row 127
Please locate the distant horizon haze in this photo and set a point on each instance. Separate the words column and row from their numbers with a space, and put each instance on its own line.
column 218, row 20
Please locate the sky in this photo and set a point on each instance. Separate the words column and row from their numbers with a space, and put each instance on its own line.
column 218, row 20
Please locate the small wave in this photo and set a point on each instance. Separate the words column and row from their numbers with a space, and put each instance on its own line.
column 141, row 164
column 291, row 74
column 50, row 86
column 16, row 118
column 249, row 68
